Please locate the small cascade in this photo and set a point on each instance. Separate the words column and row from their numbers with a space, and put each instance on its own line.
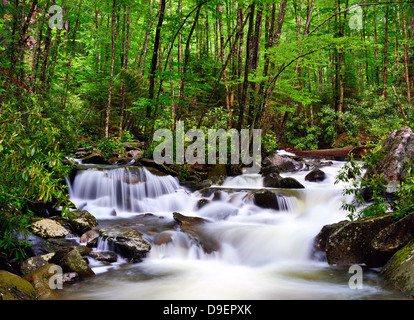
column 248, row 181
column 180, row 246
column 119, row 191
column 103, row 245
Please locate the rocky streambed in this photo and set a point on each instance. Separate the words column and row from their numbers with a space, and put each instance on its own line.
column 224, row 216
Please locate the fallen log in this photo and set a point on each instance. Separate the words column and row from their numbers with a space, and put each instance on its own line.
column 336, row 153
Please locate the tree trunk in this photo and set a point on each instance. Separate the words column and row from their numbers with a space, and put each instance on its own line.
column 407, row 72
column 63, row 104
column 254, row 65
column 226, row 88
column 384, row 93
column 111, row 79
column 155, row 56
column 144, row 53
column 186, row 59
column 46, row 54
column 376, row 47
column 243, row 96
column 128, row 22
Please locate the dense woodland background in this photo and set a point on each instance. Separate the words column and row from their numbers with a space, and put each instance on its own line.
column 310, row 73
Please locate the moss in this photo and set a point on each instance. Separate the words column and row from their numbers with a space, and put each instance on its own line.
column 399, row 257
column 13, row 287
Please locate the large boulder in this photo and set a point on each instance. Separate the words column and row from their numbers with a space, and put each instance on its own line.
column 81, row 221
column 316, row 175
column 41, row 280
column 398, row 150
column 263, row 198
column 95, row 158
column 266, row 199
column 284, row 163
column 127, row 242
column 33, row 263
column 13, row 287
column 71, row 260
column 37, row 245
column 348, row 243
column 291, row 183
column 193, row 227
column 271, row 177
column 399, row 270
column 48, row 228
column 390, row 239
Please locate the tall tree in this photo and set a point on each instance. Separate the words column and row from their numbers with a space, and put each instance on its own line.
column 111, row 77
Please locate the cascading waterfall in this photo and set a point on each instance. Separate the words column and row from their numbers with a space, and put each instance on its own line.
column 261, row 253
column 125, row 190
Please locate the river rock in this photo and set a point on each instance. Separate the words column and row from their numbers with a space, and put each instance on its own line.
column 202, row 202
column 41, row 278
column 398, row 148
column 81, row 221
column 348, row 243
column 193, row 226
column 284, row 163
column 217, row 173
column 399, row 270
column 127, row 242
column 89, row 235
column 48, row 228
column 71, row 260
column 163, row 237
column 104, row 256
column 37, row 245
column 161, row 167
column 271, row 177
column 263, row 198
column 316, row 175
column 95, row 158
column 13, row 287
column 291, row 183
column 323, row 236
column 33, row 263
column 390, row 239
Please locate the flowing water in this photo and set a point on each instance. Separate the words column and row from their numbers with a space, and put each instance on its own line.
column 263, row 253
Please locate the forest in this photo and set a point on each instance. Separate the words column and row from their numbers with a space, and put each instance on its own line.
column 310, row 74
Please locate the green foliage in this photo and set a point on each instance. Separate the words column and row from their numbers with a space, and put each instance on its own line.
column 405, row 196
column 108, row 145
column 359, row 186
column 270, row 142
column 369, row 195
column 32, row 166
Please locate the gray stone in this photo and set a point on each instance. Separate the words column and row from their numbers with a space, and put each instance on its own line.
column 127, row 242
column 48, row 228
column 399, row 270
column 70, row 259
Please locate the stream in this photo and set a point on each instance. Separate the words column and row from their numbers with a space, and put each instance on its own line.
column 264, row 254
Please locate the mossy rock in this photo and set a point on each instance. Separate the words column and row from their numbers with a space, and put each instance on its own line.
column 82, row 221
column 40, row 279
column 399, row 270
column 13, row 287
